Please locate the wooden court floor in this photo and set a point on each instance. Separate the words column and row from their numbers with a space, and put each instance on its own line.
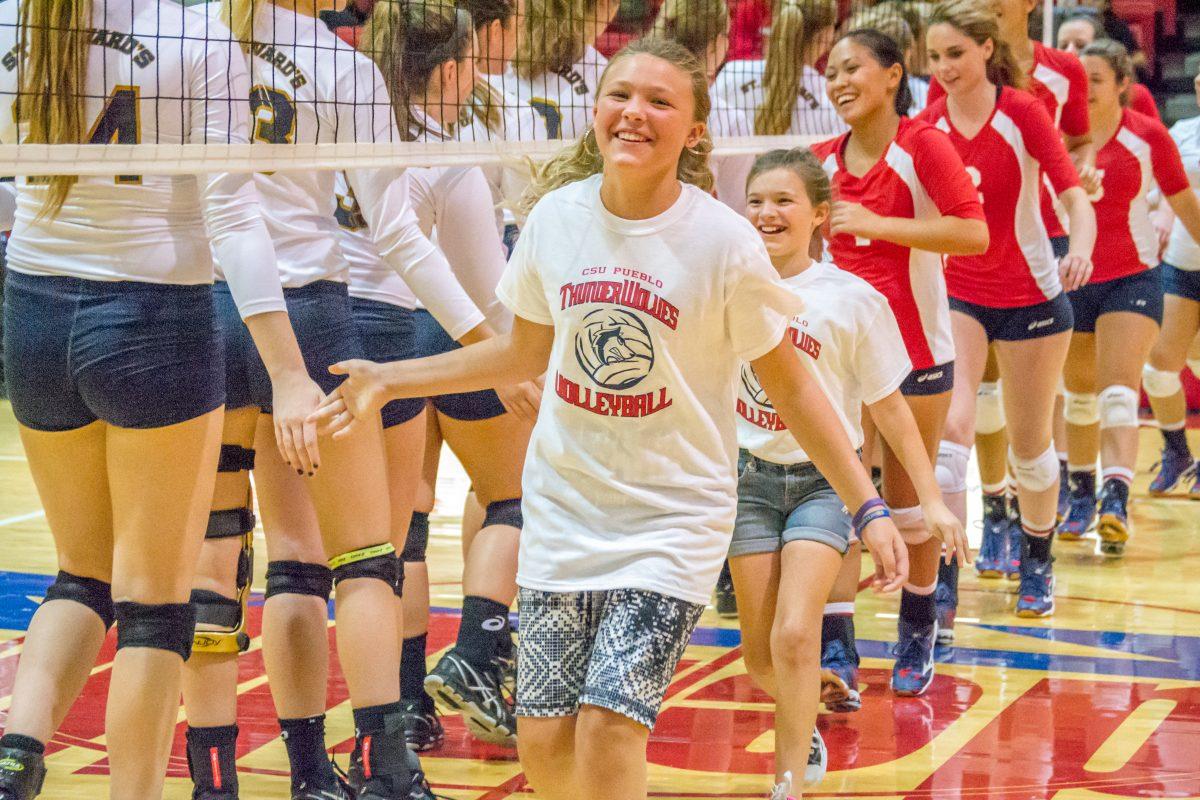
column 1101, row 701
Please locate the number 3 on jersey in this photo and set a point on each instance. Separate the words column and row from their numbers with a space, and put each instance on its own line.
column 550, row 114
column 119, row 123
column 274, row 115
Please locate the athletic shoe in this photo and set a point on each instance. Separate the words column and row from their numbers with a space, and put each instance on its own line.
column 989, row 561
column 21, row 774
column 339, row 792
column 913, row 670
column 1013, row 534
column 783, row 789
column 1035, row 597
column 388, row 787
column 946, row 602
column 460, row 686
column 422, row 727
column 507, row 667
column 839, row 678
column 818, row 760
column 1193, row 475
column 1064, row 491
column 1172, row 467
column 1113, row 527
column 1081, row 516
column 726, row 599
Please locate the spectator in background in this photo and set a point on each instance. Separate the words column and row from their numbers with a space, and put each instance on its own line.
column 1083, row 26
column 748, row 24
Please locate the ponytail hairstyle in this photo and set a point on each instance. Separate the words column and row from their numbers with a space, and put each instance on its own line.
column 408, row 41
column 889, row 19
column 485, row 103
column 238, row 16
column 1117, row 58
column 805, row 165
column 887, row 54
column 978, row 22
column 695, row 24
column 54, row 37
column 793, row 24
column 582, row 159
column 553, row 35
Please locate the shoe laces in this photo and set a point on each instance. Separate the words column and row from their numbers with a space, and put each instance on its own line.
column 1035, row 582
column 783, row 789
column 836, row 654
column 912, row 648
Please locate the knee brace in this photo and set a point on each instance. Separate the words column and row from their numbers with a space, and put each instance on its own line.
column 95, row 594
column 1081, row 409
column 220, row 623
column 417, row 540
column 219, row 627
column 1160, row 383
column 167, row 626
column 911, row 524
column 1194, row 366
column 376, row 561
column 504, row 512
column 298, row 577
column 989, row 409
column 1118, row 407
column 1035, row 474
column 951, row 468
column 234, row 521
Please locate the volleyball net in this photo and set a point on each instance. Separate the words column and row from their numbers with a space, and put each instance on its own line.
column 443, row 82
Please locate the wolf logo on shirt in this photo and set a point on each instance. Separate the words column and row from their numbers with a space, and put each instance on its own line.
column 614, row 348
column 754, row 388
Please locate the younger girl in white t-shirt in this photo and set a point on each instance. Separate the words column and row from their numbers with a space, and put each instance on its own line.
column 639, row 294
column 792, row 529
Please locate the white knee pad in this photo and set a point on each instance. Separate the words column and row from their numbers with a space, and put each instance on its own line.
column 1081, row 409
column 1035, row 474
column 911, row 524
column 1118, row 407
column 1194, row 366
column 989, row 410
column 1160, row 383
column 951, row 469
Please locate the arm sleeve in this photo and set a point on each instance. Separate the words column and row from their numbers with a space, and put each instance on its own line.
column 521, row 289
column 219, row 112
column 1074, row 120
column 1045, row 145
column 881, row 361
column 944, row 177
column 758, row 306
column 1166, row 162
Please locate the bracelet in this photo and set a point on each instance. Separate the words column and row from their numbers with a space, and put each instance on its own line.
column 870, row 511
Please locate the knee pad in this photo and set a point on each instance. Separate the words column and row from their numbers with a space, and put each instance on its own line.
column 911, row 524
column 1194, row 365
column 989, row 409
column 504, row 512
column 1081, row 409
column 299, row 577
column 167, row 626
column 1118, row 407
column 376, row 561
column 95, row 594
column 417, row 540
column 220, row 623
column 1160, row 383
column 951, row 468
column 1035, row 474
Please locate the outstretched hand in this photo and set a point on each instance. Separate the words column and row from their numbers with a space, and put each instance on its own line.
column 359, row 397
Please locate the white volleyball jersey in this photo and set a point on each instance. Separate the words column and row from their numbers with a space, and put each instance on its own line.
column 156, row 73
column 740, row 85
column 563, row 99
column 1182, row 250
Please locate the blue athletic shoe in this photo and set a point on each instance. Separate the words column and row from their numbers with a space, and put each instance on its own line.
column 1013, row 535
column 1173, row 467
column 839, row 678
column 945, row 598
column 1113, row 527
column 989, row 561
column 1035, row 597
column 1081, row 516
column 1064, row 491
column 913, row 670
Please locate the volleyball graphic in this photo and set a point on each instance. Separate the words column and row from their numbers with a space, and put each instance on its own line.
column 754, row 388
column 614, row 348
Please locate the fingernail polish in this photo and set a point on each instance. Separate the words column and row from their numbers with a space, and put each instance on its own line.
column 299, row 472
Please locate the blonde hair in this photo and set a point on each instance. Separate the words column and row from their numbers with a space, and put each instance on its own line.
column 552, row 37
column 582, row 159
column 238, row 16
column 978, row 22
column 54, row 36
column 793, row 24
column 695, row 24
column 889, row 19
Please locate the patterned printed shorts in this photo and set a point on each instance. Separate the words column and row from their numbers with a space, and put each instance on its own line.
column 615, row 649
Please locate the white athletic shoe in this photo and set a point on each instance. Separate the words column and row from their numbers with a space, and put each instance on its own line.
column 818, row 760
column 783, row 789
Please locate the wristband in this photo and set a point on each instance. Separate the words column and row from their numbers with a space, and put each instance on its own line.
column 870, row 511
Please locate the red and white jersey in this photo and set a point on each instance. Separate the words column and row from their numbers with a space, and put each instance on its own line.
column 1006, row 161
column 919, row 177
column 1139, row 154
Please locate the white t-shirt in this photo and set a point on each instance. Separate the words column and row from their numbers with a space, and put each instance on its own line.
column 629, row 481
column 740, row 85
column 563, row 100
column 849, row 338
column 156, row 73
column 1182, row 250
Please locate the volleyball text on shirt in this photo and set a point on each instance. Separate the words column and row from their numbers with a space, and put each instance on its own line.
column 563, row 99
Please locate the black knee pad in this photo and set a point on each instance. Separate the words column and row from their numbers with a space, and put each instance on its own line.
column 299, row 577
column 169, row 626
column 375, row 561
column 235, row 458
column 418, row 539
column 95, row 594
column 504, row 512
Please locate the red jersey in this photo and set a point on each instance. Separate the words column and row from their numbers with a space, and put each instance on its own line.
column 919, row 177
column 1140, row 153
column 1006, row 161
column 1141, row 101
column 1060, row 82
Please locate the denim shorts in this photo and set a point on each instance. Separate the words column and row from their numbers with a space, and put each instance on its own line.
column 1139, row 293
column 388, row 333
column 432, row 340
column 781, row 503
column 320, row 316
column 133, row 354
column 1183, row 283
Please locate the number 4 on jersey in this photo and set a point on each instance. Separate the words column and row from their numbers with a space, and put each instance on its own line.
column 119, row 123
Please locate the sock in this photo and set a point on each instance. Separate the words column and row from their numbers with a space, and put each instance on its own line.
column 1039, row 546
column 304, row 738
column 1119, row 487
column 839, row 627
column 1122, row 474
column 1176, row 441
column 1083, row 482
column 412, row 671
column 948, row 577
column 918, row 610
column 505, row 646
column 995, row 507
column 484, row 621
column 371, row 720
column 212, row 758
column 19, row 742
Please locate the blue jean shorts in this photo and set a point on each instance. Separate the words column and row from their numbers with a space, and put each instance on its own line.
column 781, row 503
column 133, row 354
column 320, row 316
column 432, row 340
column 388, row 333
